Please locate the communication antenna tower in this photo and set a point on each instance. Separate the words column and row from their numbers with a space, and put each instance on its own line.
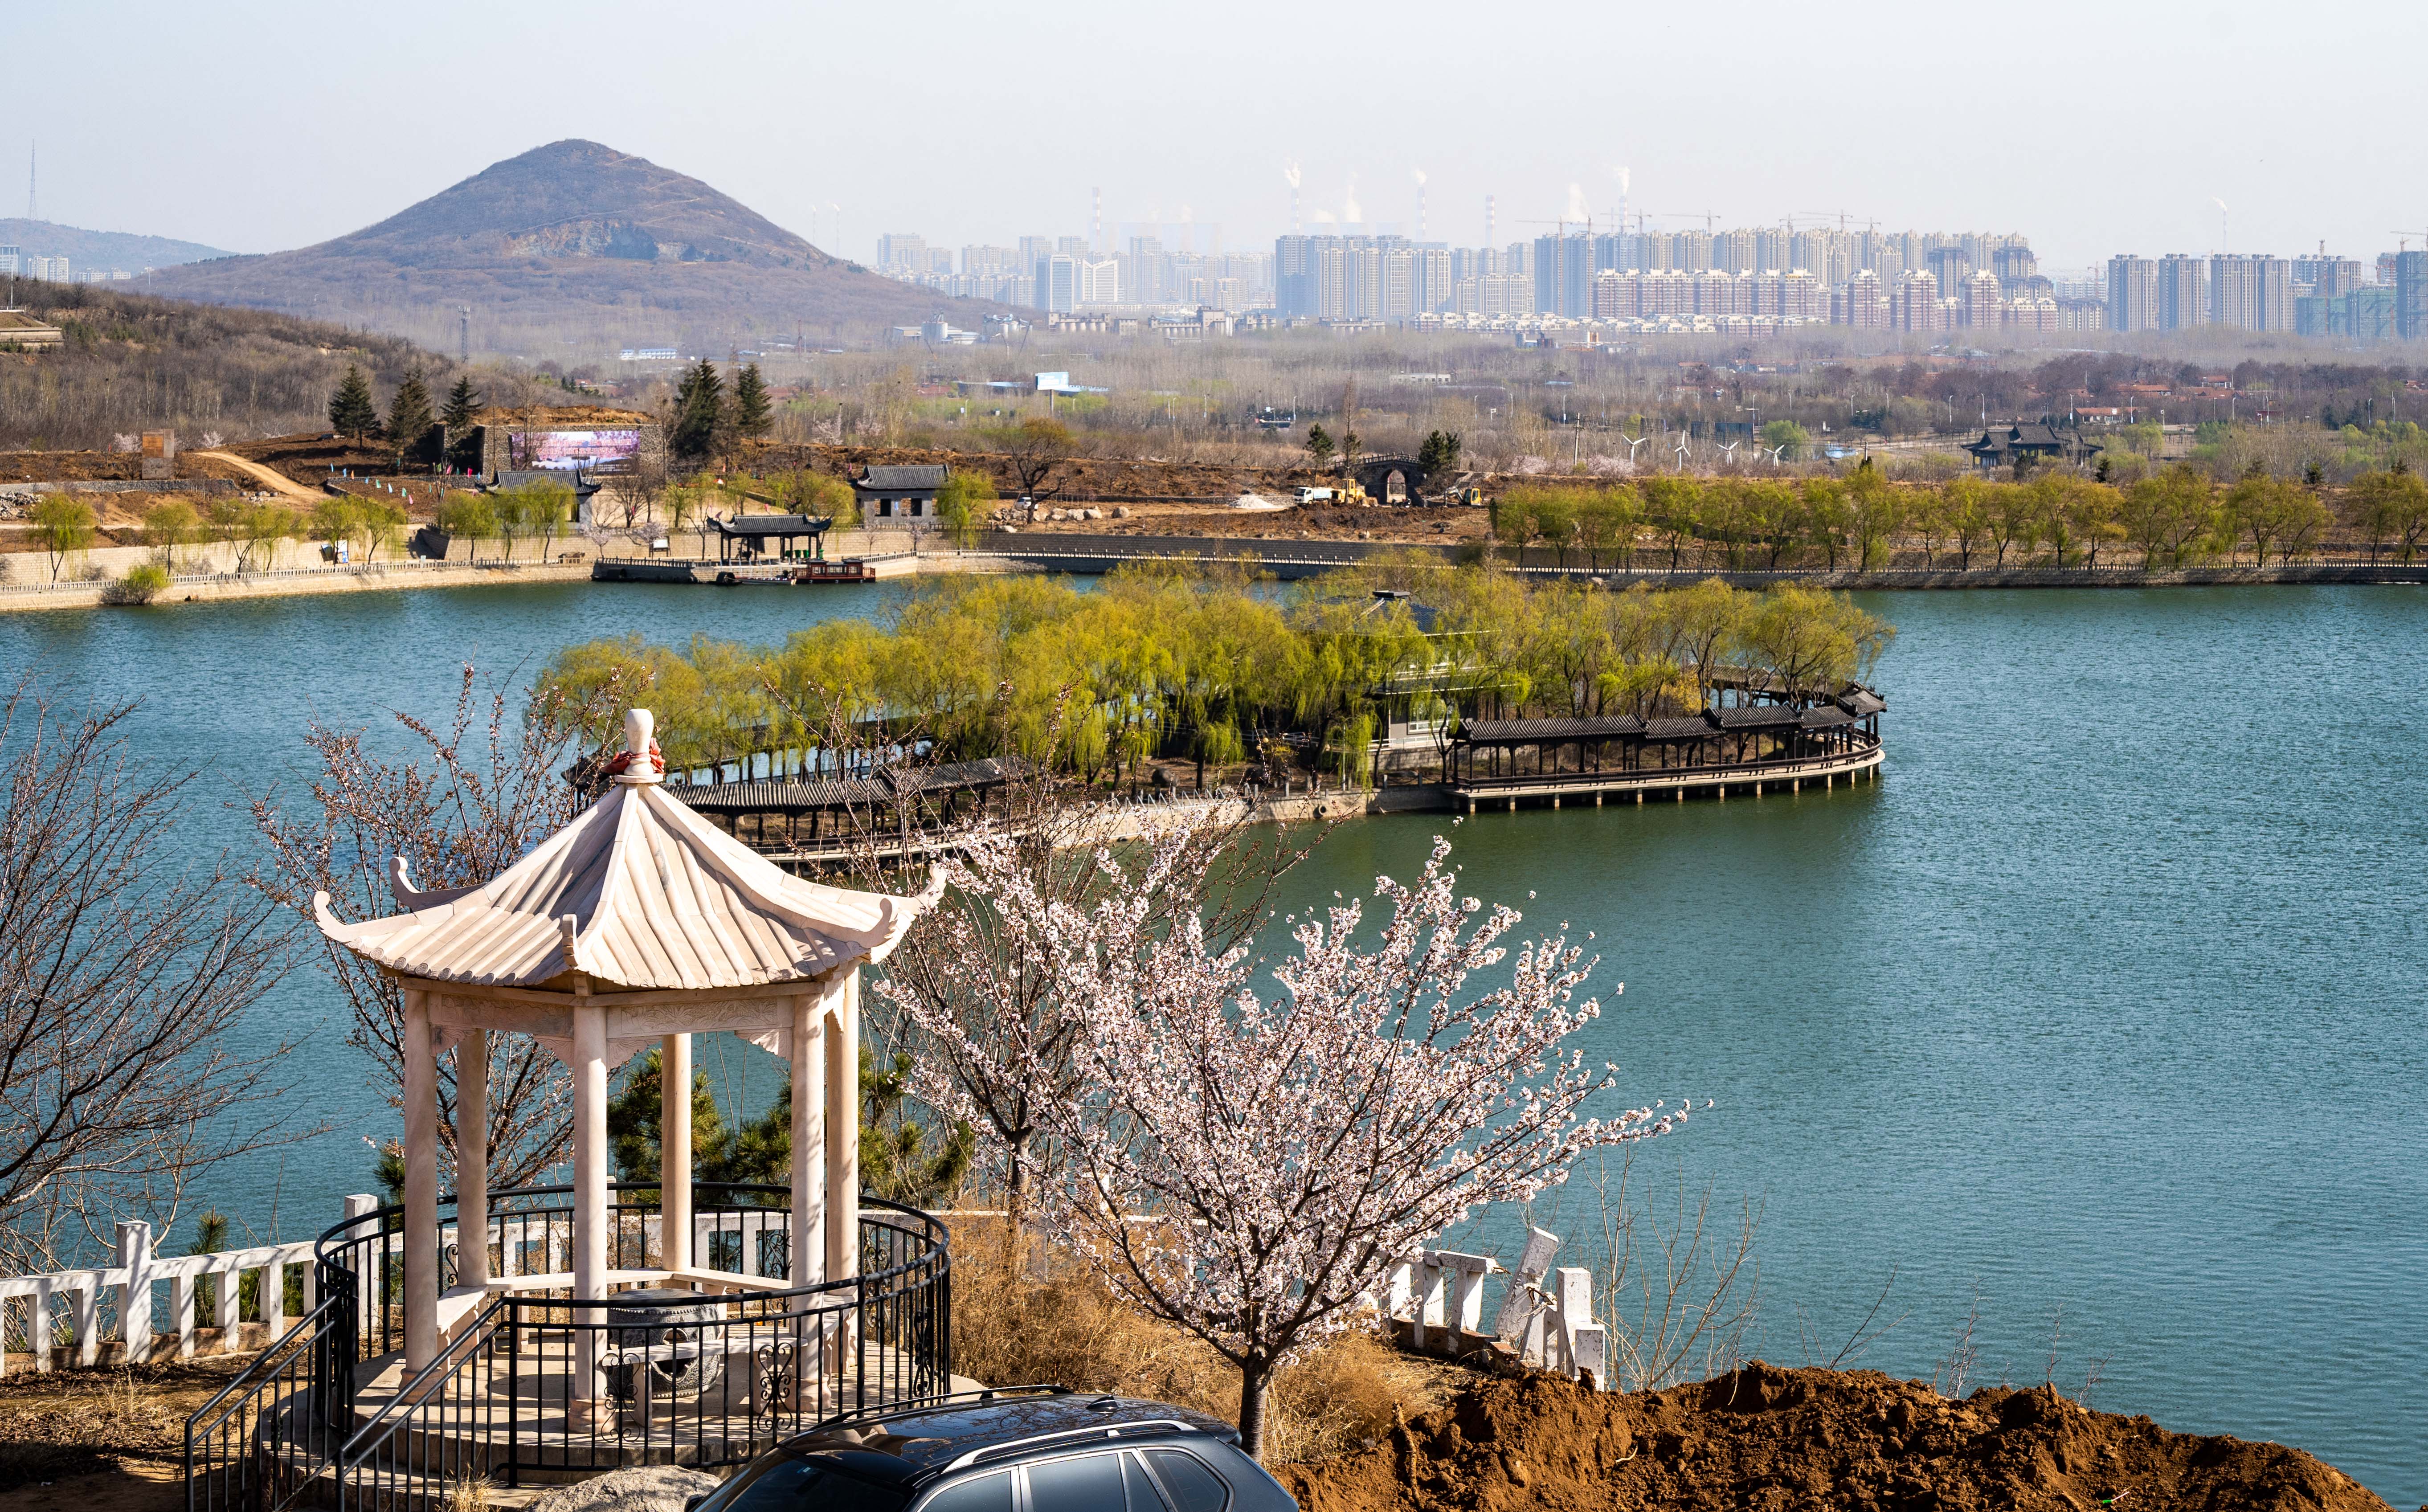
column 464, row 335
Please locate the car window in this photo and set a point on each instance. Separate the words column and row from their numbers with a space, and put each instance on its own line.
column 1085, row 1483
column 796, row 1484
column 1143, row 1496
column 987, row 1493
column 1192, row 1486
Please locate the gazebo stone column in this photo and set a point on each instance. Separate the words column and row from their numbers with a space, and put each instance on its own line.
column 420, row 1182
column 589, row 1196
column 674, row 1153
column 806, row 1047
column 472, row 1159
column 840, row 1180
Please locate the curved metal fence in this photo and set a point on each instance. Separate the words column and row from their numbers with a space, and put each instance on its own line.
column 537, row 1384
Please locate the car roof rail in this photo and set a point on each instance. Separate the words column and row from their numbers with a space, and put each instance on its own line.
column 1093, row 1433
column 977, row 1397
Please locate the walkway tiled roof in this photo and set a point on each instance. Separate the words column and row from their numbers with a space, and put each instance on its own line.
column 1530, row 731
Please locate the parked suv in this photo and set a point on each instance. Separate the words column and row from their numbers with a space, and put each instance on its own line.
column 1017, row 1448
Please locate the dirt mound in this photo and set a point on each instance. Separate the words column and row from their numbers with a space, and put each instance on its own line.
column 1770, row 1438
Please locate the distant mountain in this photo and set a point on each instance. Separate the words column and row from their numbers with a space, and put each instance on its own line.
column 571, row 245
column 99, row 249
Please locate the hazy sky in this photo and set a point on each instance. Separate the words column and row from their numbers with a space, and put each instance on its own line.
column 259, row 124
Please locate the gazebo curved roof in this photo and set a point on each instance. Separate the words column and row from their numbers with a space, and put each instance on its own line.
column 641, row 892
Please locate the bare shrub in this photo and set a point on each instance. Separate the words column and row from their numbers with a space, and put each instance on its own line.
column 1069, row 1330
column 486, row 788
column 121, row 977
column 1677, row 1283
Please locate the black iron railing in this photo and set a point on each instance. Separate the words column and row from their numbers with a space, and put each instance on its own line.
column 539, row 1384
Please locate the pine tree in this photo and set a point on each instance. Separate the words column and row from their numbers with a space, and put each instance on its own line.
column 463, row 402
column 351, row 413
column 699, row 405
column 408, row 414
column 752, row 415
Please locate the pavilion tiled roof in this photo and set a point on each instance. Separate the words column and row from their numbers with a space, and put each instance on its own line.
column 917, row 476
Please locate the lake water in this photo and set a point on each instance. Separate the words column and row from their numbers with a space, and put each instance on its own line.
column 2105, row 1004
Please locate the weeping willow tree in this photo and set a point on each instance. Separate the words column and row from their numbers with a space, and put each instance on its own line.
column 1163, row 662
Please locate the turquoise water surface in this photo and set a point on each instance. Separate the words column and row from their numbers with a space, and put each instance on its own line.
column 2105, row 1003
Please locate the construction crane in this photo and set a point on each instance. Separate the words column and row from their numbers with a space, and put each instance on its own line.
column 1844, row 216
column 1710, row 218
column 2403, row 238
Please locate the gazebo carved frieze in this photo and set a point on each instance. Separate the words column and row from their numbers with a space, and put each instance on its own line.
column 634, row 1020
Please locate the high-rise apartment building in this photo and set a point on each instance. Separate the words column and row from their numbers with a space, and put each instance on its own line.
column 2132, row 293
column 1733, row 251
column 900, row 251
column 2329, row 277
column 2251, row 294
column 1861, row 301
column 1066, row 283
column 1430, row 273
column 1917, row 304
column 1951, row 266
column 1771, row 249
column 2014, row 263
column 2182, row 292
column 2411, row 295
column 988, row 261
column 1563, row 274
column 1978, row 304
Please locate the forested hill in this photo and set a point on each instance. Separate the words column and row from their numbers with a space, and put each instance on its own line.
column 573, row 242
column 133, row 361
column 103, row 249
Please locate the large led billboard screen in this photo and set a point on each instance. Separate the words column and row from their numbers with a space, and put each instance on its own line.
column 572, row 450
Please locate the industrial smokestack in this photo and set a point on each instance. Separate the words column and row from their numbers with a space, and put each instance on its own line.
column 1289, row 171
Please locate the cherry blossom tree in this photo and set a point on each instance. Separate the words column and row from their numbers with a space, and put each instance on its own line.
column 1248, row 1164
column 977, row 991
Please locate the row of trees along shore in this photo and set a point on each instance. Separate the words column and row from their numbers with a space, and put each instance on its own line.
column 1161, row 662
column 175, row 529
column 2170, row 519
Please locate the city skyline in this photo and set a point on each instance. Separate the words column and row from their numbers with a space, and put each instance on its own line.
column 941, row 122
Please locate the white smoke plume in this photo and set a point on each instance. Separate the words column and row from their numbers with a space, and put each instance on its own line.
column 1623, row 176
column 1324, row 217
column 1578, row 209
column 1290, row 173
column 2220, row 204
column 1349, row 210
column 1421, row 176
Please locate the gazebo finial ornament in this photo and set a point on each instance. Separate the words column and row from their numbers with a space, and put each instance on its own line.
column 640, row 760
column 639, row 923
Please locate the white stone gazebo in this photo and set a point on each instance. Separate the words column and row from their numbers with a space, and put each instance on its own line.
column 639, row 923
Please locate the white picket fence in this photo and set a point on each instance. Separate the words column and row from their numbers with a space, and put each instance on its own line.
column 1545, row 1315
column 58, row 1315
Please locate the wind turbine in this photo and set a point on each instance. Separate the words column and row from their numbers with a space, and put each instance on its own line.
column 1775, row 453
column 1682, row 453
column 1730, row 452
